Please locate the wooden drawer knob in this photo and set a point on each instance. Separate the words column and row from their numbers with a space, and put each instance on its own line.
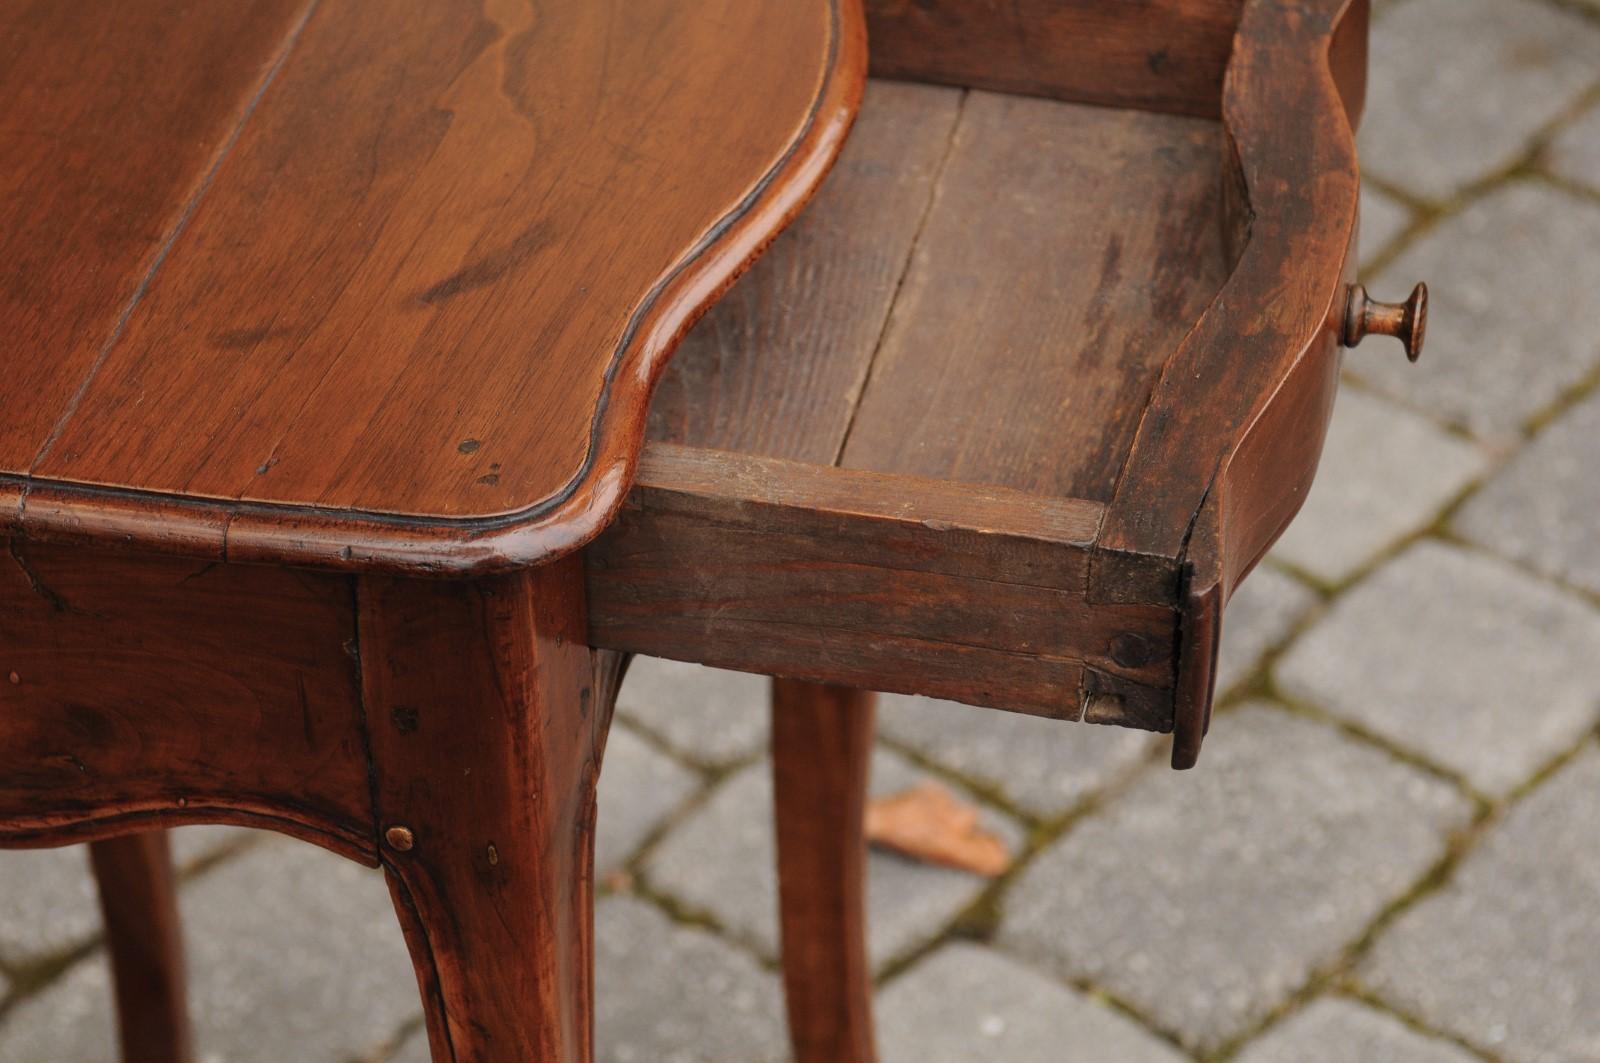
column 1406, row 322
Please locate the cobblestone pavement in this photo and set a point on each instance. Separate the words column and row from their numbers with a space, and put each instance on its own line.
column 1387, row 852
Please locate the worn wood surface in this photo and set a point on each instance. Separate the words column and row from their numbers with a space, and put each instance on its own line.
column 1058, row 254
column 1129, row 310
column 1230, row 439
column 891, row 583
column 1068, row 251
column 396, row 275
column 139, row 903
column 145, row 690
column 1057, row 300
column 1296, row 158
column 821, row 759
column 489, row 714
column 1158, row 55
column 777, row 366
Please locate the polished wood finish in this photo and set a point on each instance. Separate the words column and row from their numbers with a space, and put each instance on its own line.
column 140, row 691
column 80, row 238
column 1406, row 322
column 376, row 289
column 451, row 730
column 1006, row 420
column 139, row 901
column 418, row 328
column 1159, row 55
column 489, row 714
column 821, row 763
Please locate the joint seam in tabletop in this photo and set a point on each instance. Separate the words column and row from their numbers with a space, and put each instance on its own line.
column 177, row 229
column 469, row 527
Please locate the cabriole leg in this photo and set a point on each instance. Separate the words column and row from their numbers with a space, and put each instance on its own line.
column 821, row 754
column 488, row 715
column 139, row 899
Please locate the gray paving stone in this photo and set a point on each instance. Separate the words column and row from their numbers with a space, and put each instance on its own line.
column 1336, row 1030
column 1265, row 608
column 72, row 1020
column 48, row 903
column 1543, row 508
column 721, row 861
column 1460, row 657
column 1507, row 956
column 639, row 788
column 1206, row 898
column 1575, row 153
column 413, row 1050
column 671, row 994
column 966, row 1003
column 707, row 715
column 191, row 845
column 1385, row 474
column 1044, row 767
column 294, row 953
column 1459, row 88
column 1508, row 331
column 1382, row 219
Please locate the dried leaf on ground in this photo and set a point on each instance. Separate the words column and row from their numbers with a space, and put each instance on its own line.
column 928, row 823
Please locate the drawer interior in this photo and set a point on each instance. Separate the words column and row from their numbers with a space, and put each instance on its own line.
column 984, row 291
column 1009, row 410
column 886, row 451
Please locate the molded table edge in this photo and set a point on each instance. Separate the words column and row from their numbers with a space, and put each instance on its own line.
column 230, row 530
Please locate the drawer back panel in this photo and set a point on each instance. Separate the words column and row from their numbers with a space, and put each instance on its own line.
column 1157, row 55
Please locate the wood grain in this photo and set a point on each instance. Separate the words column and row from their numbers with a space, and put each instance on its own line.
column 1101, row 307
column 489, row 719
column 1069, row 250
column 139, row 902
column 102, row 162
column 143, row 690
column 776, row 368
column 1050, row 265
column 1230, row 440
column 1158, row 55
column 431, row 315
column 891, row 583
column 821, row 761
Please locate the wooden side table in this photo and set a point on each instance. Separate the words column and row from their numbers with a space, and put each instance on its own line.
column 330, row 348
column 329, row 330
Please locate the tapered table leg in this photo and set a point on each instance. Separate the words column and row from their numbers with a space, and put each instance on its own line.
column 138, row 896
column 821, row 753
column 488, row 716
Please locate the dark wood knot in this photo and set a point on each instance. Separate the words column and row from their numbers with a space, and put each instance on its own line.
column 1406, row 322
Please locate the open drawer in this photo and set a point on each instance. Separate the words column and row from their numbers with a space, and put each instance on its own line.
column 1009, row 412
